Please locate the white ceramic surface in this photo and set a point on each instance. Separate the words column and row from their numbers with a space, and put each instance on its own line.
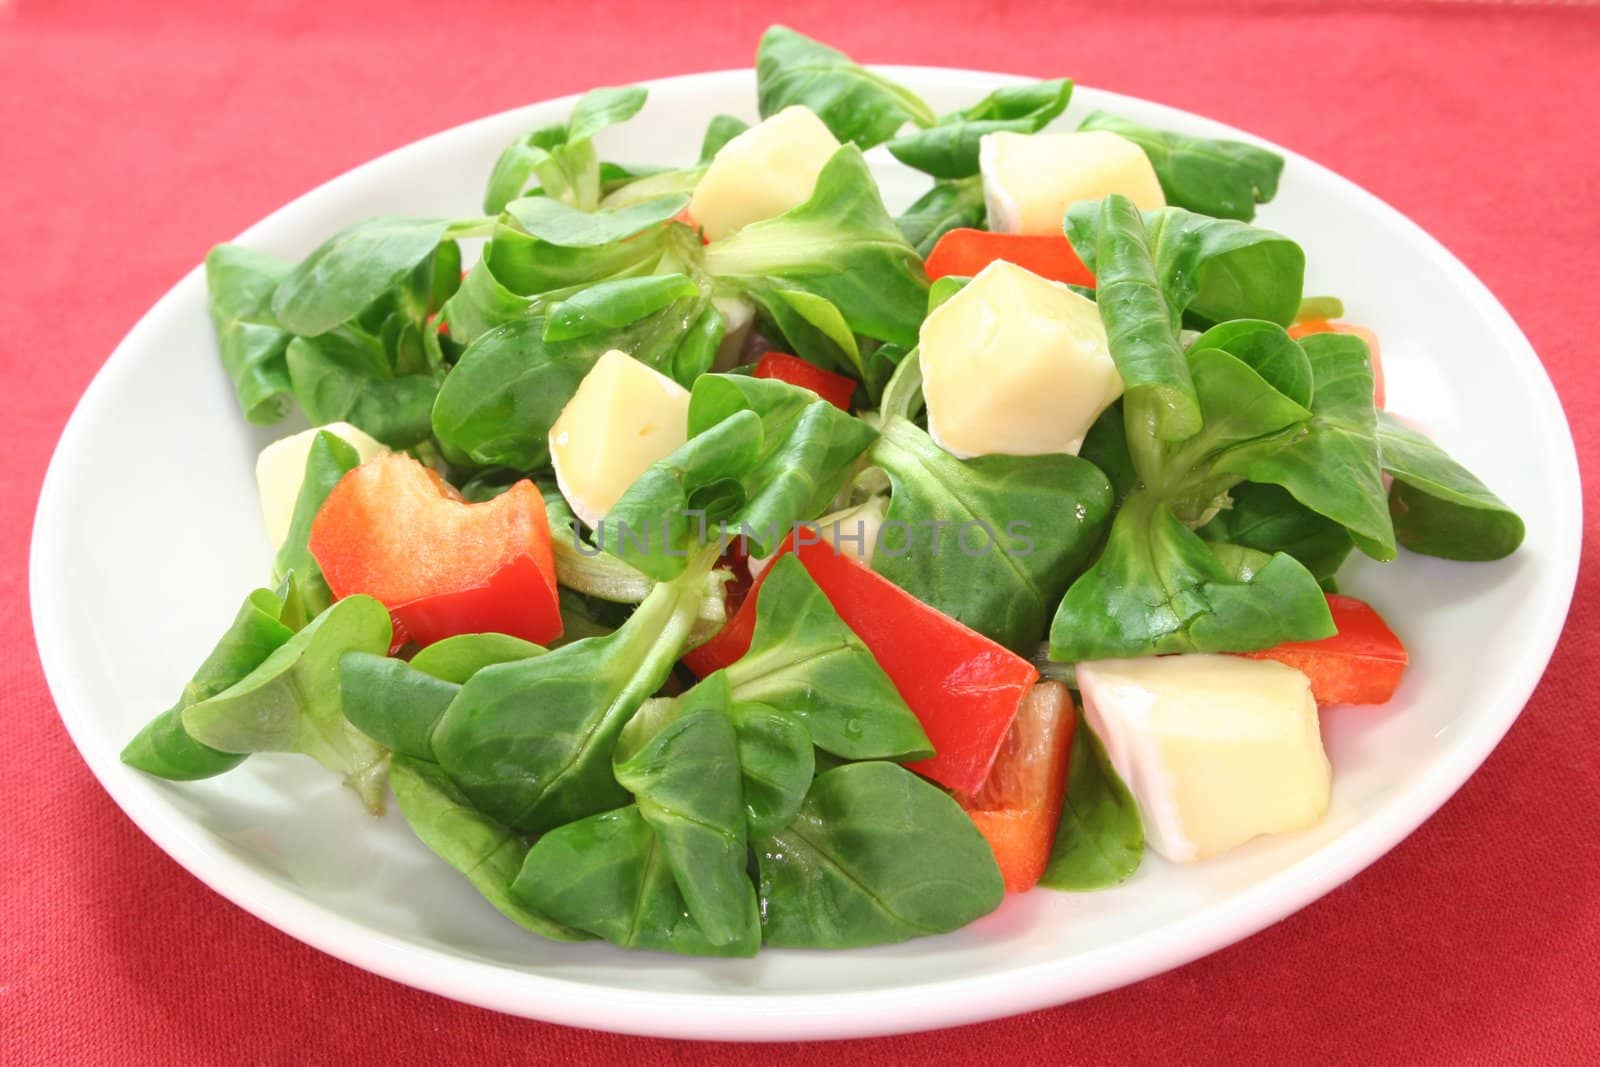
column 148, row 534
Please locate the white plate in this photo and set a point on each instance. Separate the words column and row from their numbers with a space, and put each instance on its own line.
column 148, row 534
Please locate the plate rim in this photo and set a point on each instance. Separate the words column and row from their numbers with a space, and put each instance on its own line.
column 750, row 1015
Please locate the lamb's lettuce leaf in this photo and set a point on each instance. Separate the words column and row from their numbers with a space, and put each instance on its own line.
column 992, row 542
column 559, row 161
column 290, row 701
column 841, row 246
column 875, row 856
column 949, row 148
column 855, row 103
column 1212, row 176
column 1439, row 507
column 239, row 287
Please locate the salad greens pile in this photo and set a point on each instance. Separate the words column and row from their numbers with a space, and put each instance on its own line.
column 589, row 790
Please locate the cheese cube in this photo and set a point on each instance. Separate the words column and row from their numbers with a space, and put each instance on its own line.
column 1215, row 749
column 281, row 468
column 1017, row 364
column 623, row 418
column 1030, row 179
column 765, row 171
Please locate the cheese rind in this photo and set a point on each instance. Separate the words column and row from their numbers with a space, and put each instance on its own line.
column 281, row 468
column 1030, row 179
column 1015, row 364
column 1215, row 749
column 765, row 171
column 623, row 417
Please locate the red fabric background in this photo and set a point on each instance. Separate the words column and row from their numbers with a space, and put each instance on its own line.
column 134, row 135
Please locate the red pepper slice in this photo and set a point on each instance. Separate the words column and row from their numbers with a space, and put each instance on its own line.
column 836, row 389
column 1311, row 326
column 393, row 529
column 1019, row 806
column 1361, row 664
column 963, row 687
column 964, row 253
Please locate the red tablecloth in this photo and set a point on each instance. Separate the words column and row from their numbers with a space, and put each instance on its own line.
column 134, row 135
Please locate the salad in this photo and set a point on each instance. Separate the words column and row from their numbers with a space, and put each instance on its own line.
column 719, row 561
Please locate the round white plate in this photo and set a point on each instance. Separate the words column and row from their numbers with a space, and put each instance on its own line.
column 148, row 534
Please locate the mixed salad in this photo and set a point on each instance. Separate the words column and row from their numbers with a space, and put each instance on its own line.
column 714, row 562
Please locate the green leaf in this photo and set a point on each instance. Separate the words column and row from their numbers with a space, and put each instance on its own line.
column 1141, row 324
column 455, row 659
column 392, row 702
column 530, row 742
column 329, row 459
column 853, row 102
column 1214, row 177
column 1334, row 468
column 875, row 856
column 1214, row 270
column 761, row 454
column 840, row 245
column 486, row 852
column 1439, row 507
column 346, row 376
column 609, row 874
column 1267, row 519
column 1266, row 348
column 599, row 108
column 239, row 288
column 777, row 762
column 804, row 661
column 611, row 305
column 949, row 205
column 1157, row 588
column 351, row 270
column 993, row 541
column 776, row 757
column 290, row 701
column 164, row 748
column 1100, row 839
column 687, row 784
column 719, row 131
column 560, row 156
column 556, row 223
column 949, row 149
column 495, row 409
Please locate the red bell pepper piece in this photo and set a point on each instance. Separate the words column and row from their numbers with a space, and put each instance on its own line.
column 393, row 529
column 964, row 253
column 1019, row 806
column 836, row 389
column 1311, row 326
column 963, row 687
column 1361, row 664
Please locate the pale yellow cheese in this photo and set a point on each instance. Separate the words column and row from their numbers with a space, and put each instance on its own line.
column 1215, row 749
column 1016, row 364
column 765, row 171
column 281, row 468
column 623, row 418
column 1030, row 179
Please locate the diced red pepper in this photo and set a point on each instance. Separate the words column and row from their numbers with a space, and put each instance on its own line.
column 964, row 253
column 836, row 389
column 963, row 687
column 1361, row 664
column 394, row 530
column 1019, row 806
column 1311, row 326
